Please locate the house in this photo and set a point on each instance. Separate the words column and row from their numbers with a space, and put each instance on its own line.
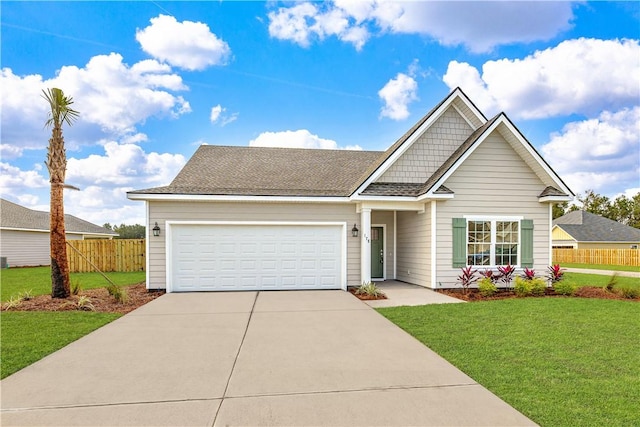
column 584, row 230
column 24, row 234
column 456, row 189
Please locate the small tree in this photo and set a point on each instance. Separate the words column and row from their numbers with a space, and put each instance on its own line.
column 56, row 162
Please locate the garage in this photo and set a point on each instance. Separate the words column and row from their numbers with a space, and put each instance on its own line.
column 233, row 256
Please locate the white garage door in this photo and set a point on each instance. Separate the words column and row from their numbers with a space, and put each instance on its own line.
column 223, row 257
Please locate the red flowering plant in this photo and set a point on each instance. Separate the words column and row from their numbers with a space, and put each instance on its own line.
column 467, row 278
column 528, row 274
column 506, row 274
column 490, row 274
column 555, row 273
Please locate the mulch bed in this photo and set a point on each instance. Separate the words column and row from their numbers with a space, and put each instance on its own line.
column 365, row 297
column 99, row 298
column 583, row 292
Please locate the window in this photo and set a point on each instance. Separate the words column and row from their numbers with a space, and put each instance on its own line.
column 492, row 241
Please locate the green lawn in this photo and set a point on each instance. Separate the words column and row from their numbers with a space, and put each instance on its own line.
column 38, row 280
column 600, row 280
column 560, row 361
column 600, row 267
column 29, row 336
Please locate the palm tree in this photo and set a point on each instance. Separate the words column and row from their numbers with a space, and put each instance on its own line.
column 57, row 164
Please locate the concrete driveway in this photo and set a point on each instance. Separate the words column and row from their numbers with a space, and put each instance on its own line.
column 249, row 358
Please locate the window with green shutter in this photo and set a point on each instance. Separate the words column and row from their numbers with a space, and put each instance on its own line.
column 492, row 241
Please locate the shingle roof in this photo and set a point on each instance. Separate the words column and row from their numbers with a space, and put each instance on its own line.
column 260, row 171
column 13, row 215
column 551, row 191
column 587, row 227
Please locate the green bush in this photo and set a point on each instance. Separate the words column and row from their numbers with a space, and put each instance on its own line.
column 486, row 287
column 522, row 287
column 538, row 286
column 118, row 293
column 369, row 289
column 628, row 292
column 565, row 287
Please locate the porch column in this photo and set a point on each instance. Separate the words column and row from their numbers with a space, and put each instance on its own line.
column 365, row 245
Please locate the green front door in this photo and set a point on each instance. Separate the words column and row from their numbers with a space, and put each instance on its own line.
column 377, row 253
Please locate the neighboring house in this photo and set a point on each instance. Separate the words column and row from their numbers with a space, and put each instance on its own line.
column 455, row 190
column 584, row 230
column 24, row 234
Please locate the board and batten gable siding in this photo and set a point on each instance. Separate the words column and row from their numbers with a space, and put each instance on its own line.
column 160, row 211
column 430, row 150
column 492, row 181
column 386, row 218
column 414, row 247
column 27, row 248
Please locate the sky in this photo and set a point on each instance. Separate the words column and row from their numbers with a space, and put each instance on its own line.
column 153, row 80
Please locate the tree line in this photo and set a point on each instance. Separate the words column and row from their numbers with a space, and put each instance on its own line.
column 623, row 209
column 125, row 231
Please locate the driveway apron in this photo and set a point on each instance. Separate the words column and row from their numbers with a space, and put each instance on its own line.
column 249, row 358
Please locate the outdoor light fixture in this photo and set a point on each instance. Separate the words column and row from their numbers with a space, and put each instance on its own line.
column 354, row 231
column 156, row 230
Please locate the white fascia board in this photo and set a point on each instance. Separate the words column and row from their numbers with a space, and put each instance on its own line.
column 430, row 195
column 232, row 198
column 409, row 142
column 390, row 199
column 549, row 199
column 556, row 179
column 35, row 230
column 390, row 206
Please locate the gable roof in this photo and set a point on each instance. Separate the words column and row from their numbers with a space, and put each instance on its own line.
column 293, row 172
column 587, row 227
column 14, row 216
column 267, row 171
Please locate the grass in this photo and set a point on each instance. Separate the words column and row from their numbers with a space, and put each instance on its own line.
column 600, row 280
column 38, row 280
column 560, row 361
column 600, row 267
column 29, row 336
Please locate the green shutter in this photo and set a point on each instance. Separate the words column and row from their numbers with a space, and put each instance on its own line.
column 526, row 241
column 459, row 242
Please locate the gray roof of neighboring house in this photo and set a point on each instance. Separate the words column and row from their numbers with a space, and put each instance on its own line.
column 13, row 215
column 587, row 227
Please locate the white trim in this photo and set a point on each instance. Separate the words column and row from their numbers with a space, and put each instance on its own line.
column 38, row 230
column 456, row 94
column 236, row 198
column 471, row 125
column 492, row 243
column 433, row 196
column 395, row 246
column 365, row 198
column 365, row 245
column 147, row 244
column 388, row 206
column 547, row 199
column 434, row 258
column 384, row 252
column 493, row 217
column 550, row 256
column 169, row 241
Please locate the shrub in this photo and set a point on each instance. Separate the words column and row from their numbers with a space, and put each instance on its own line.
column 528, row 274
column 25, row 295
column 84, row 303
column 489, row 274
column 538, row 286
column 118, row 293
column 565, row 287
column 370, row 289
column 613, row 281
column 628, row 292
column 555, row 273
column 76, row 287
column 522, row 287
column 506, row 274
column 467, row 278
column 12, row 303
column 486, row 287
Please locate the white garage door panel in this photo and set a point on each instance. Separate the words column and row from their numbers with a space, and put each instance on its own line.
column 224, row 257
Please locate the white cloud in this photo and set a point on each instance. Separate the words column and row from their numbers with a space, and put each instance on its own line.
column 189, row 45
column 110, row 96
column 219, row 115
column 17, row 182
column 580, row 76
column 297, row 139
column 601, row 154
column 450, row 23
column 10, row 151
column 397, row 94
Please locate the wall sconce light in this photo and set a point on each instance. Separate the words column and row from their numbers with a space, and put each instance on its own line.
column 156, row 230
column 354, row 231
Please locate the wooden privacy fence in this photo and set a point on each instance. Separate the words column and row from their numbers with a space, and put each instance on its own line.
column 630, row 257
column 107, row 255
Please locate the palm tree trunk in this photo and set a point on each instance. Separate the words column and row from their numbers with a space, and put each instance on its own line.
column 57, row 163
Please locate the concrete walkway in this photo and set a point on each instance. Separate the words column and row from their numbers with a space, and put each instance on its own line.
column 248, row 358
column 400, row 293
column 635, row 274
